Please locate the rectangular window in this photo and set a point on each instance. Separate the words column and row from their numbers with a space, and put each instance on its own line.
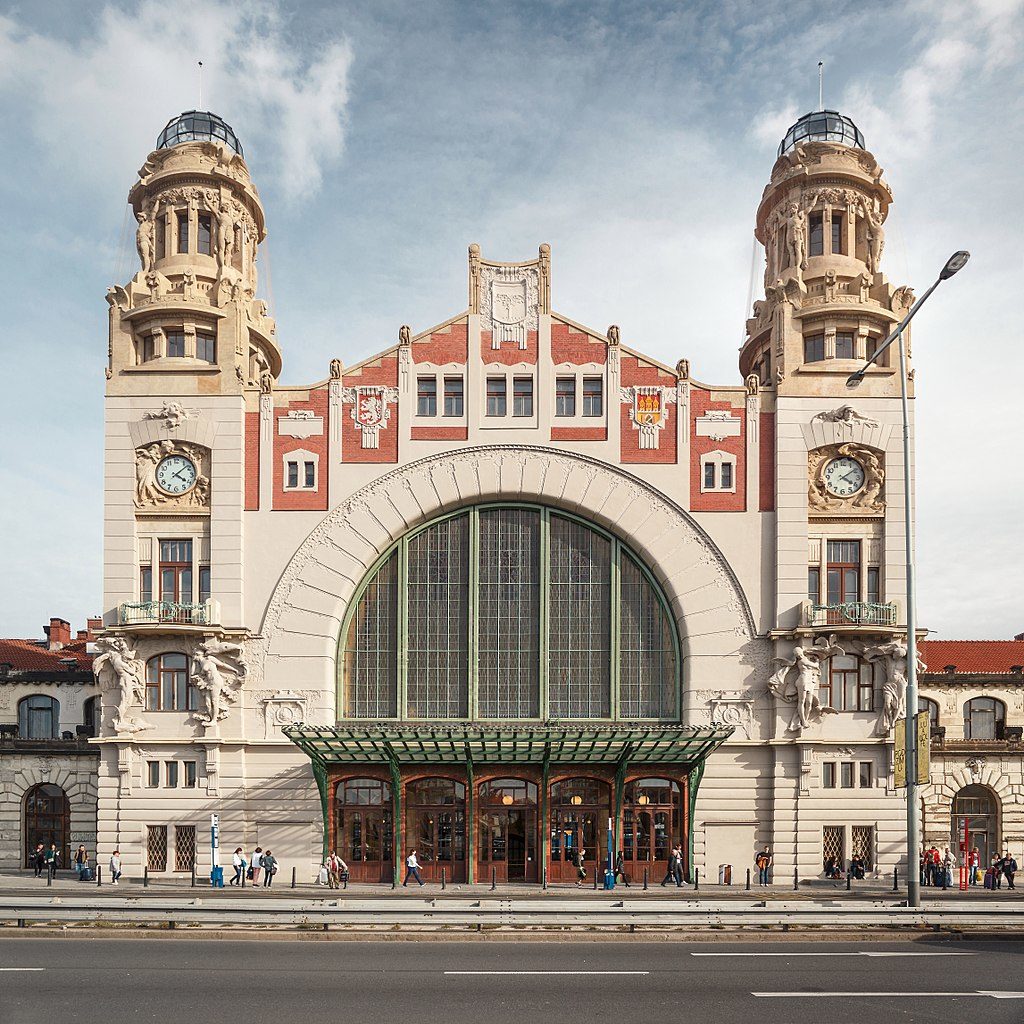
column 709, row 476
column 176, row 571
column 191, row 774
column 156, row 847
column 766, row 370
column 871, row 347
column 495, row 396
column 453, row 396
column 204, row 583
column 184, row 847
column 844, row 345
column 726, row 476
column 593, row 396
column 310, row 474
column 206, row 347
column 849, row 685
column 816, row 234
column 183, row 232
column 204, row 235
column 843, row 571
column 565, row 396
column 148, row 348
column 426, row 396
column 864, row 844
column 833, row 846
column 522, row 396
column 293, row 474
column 152, row 774
column 837, row 233
column 814, row 584
column 814, row 348
column 161, row 238
column 847, row 774
column 171, row 774
column 828, row 774
column 866, row 773
column 175, row 344
column 874, row 594
column 145, row 583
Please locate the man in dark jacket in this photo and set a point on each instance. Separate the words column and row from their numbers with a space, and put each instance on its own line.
column 670, row 872
column 1009, row 867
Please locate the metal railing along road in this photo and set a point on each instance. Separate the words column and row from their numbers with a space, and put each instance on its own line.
column 852, row 613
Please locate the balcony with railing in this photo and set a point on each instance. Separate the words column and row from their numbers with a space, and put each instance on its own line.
column 167, row 613
column 850, row 613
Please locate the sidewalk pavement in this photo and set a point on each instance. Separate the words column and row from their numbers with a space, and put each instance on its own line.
column 17, row 883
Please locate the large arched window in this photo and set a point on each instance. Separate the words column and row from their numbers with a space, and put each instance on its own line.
column 509, row 612
column 39, row 718
column 984, row 718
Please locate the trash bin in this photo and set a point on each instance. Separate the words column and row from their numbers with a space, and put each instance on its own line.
column 725, row 874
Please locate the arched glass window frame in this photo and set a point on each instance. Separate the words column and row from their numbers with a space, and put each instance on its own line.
column 930, row 705
column 618, row 549
column 998, row 710
column 24, row 710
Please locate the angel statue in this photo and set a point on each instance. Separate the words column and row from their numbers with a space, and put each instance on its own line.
column 801, row 688
column 218, row 668
column 118, row 667
column 893, row 657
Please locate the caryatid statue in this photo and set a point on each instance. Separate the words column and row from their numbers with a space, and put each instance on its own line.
column 145, row 238
column 876, row 235
column 894, row 659
column 796, row 680
column 218, row 668
column 796, row 238
column 118, row 666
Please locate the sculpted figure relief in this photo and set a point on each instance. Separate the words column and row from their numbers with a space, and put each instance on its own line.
column 145, row 238
column 118, row 668
column 867, row 499
column 845, row 414
column 872, row 214
column 796, row 681
column 796, row 238
column 893, row 657
column 218, row 668
column 148, row 457
column 335, row 369
column 227, row 221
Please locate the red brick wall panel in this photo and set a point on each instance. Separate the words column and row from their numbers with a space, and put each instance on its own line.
column 716, row 501
column 634, row 372
column 767, row 503
column 440, row 433
column 510, row 353
column 252, row 461
column 579, row 433
column 307, row 501
column 571, row 346
column 448, row 346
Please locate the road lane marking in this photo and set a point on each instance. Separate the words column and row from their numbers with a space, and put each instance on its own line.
column 889, row 995
column 510, row 973
column 22, row 968
column 848, row 953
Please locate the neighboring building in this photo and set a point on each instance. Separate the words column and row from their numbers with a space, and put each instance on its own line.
column 974, row 693
column 48, row 711
column 508, row 577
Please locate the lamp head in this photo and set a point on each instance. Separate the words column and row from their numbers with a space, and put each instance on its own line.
column 854, row 379
column 955, row 263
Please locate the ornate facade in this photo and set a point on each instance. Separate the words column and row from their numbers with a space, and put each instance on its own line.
column 507, row 577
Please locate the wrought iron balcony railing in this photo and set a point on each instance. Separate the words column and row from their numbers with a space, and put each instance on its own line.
column 851, row 613
column 141, row 613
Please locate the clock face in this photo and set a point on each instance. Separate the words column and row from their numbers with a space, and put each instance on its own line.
column 844, row 476
column 176, row 474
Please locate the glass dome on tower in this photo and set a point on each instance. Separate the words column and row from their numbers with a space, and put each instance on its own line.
column 198, row 126
column 822, row 126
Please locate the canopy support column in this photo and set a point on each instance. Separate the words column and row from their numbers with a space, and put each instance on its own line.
column 692, row 785
column 396, row 803
column 470, row 819
column 545, row 810
column 320, row 774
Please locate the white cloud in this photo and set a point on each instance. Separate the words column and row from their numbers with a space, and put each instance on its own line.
column 111, row 91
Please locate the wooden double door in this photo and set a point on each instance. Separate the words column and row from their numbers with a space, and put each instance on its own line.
column 580, row 809
column 365, row 829
column 435, row 827
column 47, row 820
column 507, row 831
column 651, row 826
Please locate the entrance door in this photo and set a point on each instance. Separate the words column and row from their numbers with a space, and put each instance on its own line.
column 435, row 826
column 651, row 826
column 47, row 820
column 507, row 837
column 580, row 809
column 364, row 832
column 977, row 806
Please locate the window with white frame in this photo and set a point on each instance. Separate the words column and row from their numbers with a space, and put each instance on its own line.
column 718, row 472
column 301, row 471
column 426, row 396
column 565, row 396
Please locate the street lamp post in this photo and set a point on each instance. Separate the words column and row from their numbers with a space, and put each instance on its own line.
column 955, row 263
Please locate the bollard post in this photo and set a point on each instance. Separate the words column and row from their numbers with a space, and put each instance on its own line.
column 443, row 886
column 849, row 880
column 748, row 879
column 696, row 879
column 49, row 874
column 193, row 874
column 544, row 878
column 645, row 879
column 245, row 871
column 895, row 879
column 345, row 881
column 944, row 877
column 293, row 876
column 99, row 875
column 145, row 877
column 494, row 879
column 796, row 878
column 595, row 874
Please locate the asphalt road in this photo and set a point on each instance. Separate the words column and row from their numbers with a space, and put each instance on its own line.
column 43, row 981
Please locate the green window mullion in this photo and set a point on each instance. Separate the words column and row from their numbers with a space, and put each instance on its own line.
column 616, row 622
column 474, row 607
column 545, row 619
column 403, row 627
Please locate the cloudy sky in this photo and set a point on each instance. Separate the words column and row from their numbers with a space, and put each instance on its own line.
column 634, row 137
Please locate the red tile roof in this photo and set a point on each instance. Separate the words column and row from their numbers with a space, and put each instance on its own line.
column 996, row 657
column 35, row 656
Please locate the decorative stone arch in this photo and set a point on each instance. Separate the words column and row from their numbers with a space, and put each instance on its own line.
column 297, row 647
column 938, row 796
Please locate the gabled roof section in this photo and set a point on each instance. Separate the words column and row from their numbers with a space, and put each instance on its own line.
column 35, row 656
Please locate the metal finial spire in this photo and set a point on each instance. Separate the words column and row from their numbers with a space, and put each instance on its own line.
column 201, row 85
column 821, row 85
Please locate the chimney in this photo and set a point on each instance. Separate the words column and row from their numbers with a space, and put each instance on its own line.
column 58, row 633
column 93, row 626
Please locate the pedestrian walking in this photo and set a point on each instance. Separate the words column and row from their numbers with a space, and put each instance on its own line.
column 581, row 868
column 679, row 866
column 81, row 861
column 620, row 870
column 52, row 860
column 336, row 869
column 115, row 867
column 412, row 869
column 670, row 868
column 764, row 862
column 238, row 863
column 39, row 859
column 1009, row 866
column 255, row 864
column 949, row 862
column 269, row 868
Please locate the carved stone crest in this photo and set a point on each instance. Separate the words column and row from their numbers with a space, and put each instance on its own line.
column 509, row 306
column 371, row 410
column 649, row 411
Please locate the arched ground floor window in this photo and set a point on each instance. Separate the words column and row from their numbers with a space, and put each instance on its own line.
column 47, row 818
column 977, row 808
